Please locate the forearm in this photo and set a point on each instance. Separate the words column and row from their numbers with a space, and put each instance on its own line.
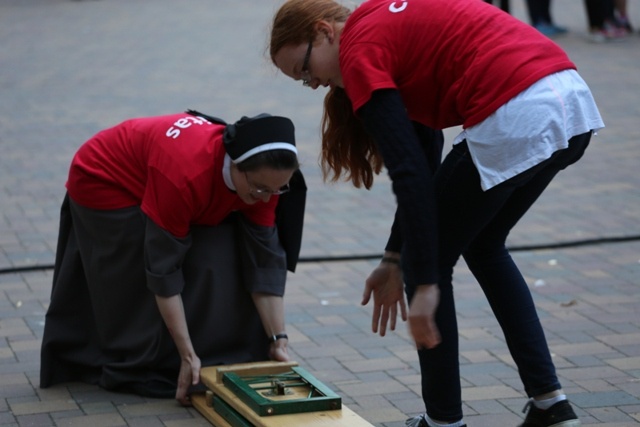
column 271, row 311
column 385, row 117
column 172, row 312
column 394, row 243
column 431, row 142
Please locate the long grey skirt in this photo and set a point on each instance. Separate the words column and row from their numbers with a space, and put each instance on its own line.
column 112, row 334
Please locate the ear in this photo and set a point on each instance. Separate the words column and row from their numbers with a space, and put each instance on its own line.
column 326, row 29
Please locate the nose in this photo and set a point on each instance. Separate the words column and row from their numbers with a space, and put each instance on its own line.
column 265, row 197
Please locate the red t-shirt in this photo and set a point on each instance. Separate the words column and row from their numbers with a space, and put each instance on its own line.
column 170, row 166
column 454, row 61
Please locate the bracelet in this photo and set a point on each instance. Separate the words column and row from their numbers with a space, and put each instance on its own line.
column 390, row 260
column 277, row 337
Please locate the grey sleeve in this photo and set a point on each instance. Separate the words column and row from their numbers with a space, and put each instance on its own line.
column 263, row 260
column 163, row 257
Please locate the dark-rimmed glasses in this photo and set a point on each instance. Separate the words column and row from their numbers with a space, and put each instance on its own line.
column 304, row 73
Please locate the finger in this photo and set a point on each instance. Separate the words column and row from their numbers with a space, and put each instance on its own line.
column 394, row 315
column 181, row 396
column 417, row 333
column 185, row 401
column 403, row 309
column 425, row 334
column 282, row 355
column 366, row 294
column 384, row 321
column 375, row 318
column 433, row 333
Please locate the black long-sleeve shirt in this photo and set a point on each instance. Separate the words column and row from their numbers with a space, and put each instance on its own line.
column 411, row 153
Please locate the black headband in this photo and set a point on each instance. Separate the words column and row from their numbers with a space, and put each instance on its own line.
column 252, row 135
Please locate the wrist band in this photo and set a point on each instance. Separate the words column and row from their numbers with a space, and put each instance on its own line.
column 277, row 337
column 391, row 260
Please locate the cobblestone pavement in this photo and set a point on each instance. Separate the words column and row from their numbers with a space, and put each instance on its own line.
column 70, row 68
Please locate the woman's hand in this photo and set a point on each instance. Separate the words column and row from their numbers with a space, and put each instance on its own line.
column 172, row 311
column 189, row 375
column 385, row 283
column 422, row 324
column 278, row 350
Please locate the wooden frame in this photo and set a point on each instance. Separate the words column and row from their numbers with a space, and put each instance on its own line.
column 223, row 408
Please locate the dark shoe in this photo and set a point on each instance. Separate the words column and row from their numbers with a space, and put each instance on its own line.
column 418, row 421
column 559, row 415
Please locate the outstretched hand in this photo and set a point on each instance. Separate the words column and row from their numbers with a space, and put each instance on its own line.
column 385, row 283
column 189, row 375
column 422, row 324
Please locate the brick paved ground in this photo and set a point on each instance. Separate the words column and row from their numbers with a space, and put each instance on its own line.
column 70, row 68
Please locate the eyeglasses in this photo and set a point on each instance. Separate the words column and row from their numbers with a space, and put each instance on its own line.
column 262, row 191
column 304, row 73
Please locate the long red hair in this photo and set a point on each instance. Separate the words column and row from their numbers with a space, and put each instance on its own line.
column 347, row 148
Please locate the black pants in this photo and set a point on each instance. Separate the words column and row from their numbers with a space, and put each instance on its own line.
column 475, row 224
